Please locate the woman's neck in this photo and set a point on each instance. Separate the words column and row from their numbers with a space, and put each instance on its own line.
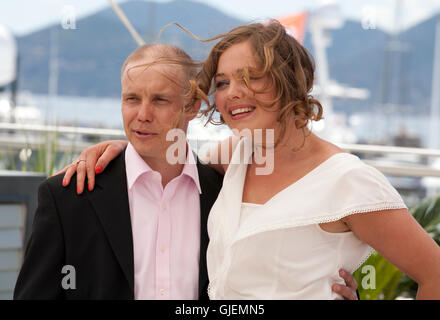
column 297, row 144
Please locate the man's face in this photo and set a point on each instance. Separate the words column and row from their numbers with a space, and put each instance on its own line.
column 151, row 103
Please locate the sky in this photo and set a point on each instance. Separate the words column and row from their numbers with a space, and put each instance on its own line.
column 25, row 16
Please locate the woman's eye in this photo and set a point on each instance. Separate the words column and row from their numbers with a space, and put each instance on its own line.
column 221, row 84
column 131, row 99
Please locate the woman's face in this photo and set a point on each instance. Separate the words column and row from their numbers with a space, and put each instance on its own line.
column 238, row 104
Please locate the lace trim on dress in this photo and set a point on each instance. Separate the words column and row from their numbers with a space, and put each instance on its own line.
column 369, row 208
column 365, row 258
column 211, row 290
column 360, row 209
column 295, row 222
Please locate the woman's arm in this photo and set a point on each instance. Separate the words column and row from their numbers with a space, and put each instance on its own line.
column 96, row 157
column 397, row 236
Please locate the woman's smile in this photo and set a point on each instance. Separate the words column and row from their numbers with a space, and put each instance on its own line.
column 238, row 100
column 241, row 111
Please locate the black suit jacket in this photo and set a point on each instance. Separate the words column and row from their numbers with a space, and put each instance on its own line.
column 92, row 232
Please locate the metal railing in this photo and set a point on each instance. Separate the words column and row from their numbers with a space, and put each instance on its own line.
column 392, row 167
column 28, row 139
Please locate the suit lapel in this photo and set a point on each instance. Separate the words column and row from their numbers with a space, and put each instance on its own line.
column 110, row 201
column 210, row 189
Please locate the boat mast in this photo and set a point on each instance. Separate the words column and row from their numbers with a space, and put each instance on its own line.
column 322, row 22
column 435, row 93
column 53, row 71
column 394, row 90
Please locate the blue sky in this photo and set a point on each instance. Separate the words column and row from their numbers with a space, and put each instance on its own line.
column 24, row 16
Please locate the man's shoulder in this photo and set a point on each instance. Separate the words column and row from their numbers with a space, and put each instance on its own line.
column 55, row 180
column 54, row 186
column 207, row 170
column 209, row 175
column 55, row 183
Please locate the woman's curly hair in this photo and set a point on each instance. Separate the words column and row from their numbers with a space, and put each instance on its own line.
column 282, row 58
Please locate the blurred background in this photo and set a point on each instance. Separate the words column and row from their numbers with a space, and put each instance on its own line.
column 378, row 78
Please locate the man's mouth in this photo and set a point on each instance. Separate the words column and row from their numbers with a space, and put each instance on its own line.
column 145, row 134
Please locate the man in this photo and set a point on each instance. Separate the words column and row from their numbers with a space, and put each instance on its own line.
column 141, row 234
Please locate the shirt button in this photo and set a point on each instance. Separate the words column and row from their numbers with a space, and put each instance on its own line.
column 162, row 249
column 162, row 292
column 164, row 207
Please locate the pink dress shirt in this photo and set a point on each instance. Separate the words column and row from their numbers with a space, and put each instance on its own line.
column 166, row 230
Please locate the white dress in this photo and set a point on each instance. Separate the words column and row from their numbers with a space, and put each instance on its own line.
column 278, row 250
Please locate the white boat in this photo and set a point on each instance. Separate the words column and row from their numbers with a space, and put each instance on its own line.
column 10, row 111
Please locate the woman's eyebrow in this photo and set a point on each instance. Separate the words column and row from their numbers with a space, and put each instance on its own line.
column 219, row 75
column 238, row 72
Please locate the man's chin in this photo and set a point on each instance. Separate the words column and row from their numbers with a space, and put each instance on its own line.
column 144, row 148
column 151, row 149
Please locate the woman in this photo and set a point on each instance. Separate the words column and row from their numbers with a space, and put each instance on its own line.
column 318, row 209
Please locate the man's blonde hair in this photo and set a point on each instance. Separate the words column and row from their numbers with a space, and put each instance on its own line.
column 163, row 53
column 168, row 55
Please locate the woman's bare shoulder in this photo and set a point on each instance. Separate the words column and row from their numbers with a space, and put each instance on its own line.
column 329, row 148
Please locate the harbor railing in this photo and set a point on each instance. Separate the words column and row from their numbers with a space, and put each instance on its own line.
column 391, row 160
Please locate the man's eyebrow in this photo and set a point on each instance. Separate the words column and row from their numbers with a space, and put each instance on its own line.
column 163, row 95
column 125, row 94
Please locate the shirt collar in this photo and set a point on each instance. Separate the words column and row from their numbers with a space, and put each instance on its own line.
column 190, row 167
column 136, row 166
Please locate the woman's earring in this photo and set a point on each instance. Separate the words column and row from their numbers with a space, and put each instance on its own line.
column 222, row 121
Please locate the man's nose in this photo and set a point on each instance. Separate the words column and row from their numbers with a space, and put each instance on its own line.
column 146, row 112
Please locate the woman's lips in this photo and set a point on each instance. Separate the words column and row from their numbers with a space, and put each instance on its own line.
column 240, row 112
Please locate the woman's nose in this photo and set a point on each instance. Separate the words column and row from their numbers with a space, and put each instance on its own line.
column 236, row 89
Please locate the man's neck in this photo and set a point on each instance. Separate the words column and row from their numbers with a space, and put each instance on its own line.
column 167, row 171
